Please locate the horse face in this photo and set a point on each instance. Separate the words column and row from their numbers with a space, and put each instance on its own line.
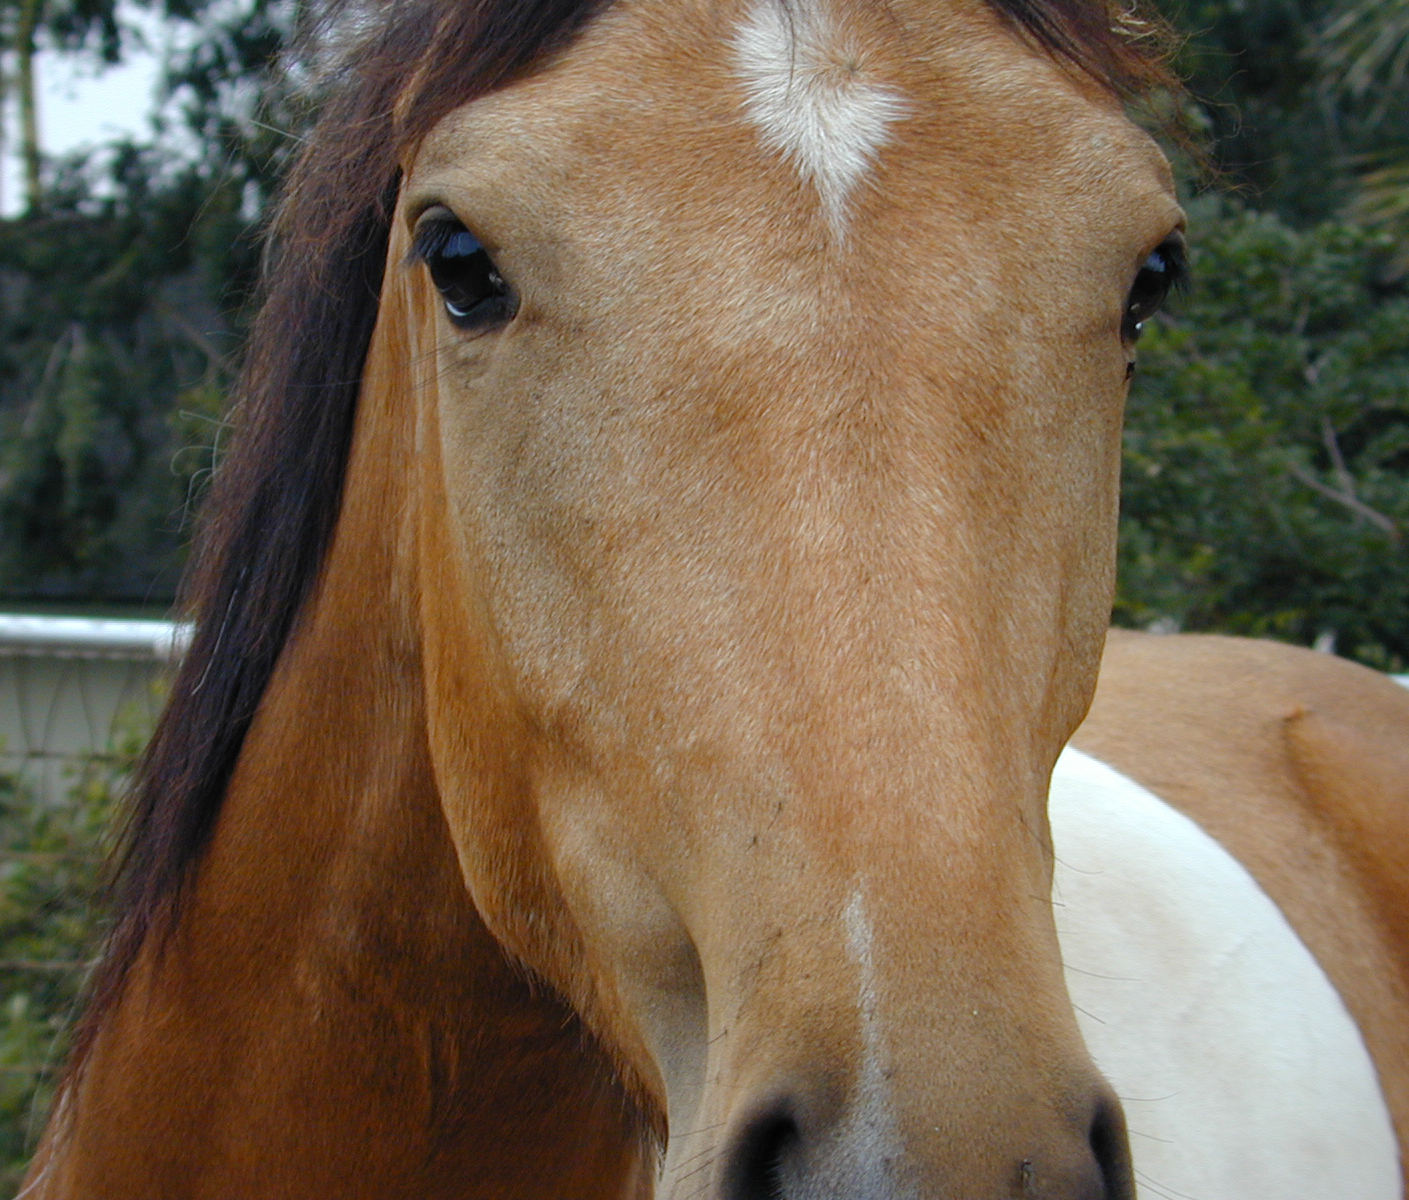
column 770, row 364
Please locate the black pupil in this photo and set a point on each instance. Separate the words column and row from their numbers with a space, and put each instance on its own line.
column 1151, row 287
column 1152, row 282
column 470, row 284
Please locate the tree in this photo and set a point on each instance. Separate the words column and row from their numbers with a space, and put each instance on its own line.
column 1364, row 58
column 122, row 298
column 74, row 25
column 1266, row 486
column 118, row 322
column 1268, row 130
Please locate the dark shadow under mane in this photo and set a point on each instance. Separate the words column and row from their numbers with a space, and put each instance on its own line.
column 274, row 505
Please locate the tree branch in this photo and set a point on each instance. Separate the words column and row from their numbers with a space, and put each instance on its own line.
column 1357, row 506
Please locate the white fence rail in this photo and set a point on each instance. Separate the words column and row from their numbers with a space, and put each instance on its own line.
column 69, row 684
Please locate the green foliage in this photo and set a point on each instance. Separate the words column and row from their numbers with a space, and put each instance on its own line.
column 1267, row 450
column 1363, row 55
column 247, row 94
column 1303, row 105
column 115, row 325
column 1364, row 49
column 121, row 309
column 1270, row 130
column 49, row 884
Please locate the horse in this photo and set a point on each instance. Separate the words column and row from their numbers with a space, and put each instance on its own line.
column 668, row 545
column 1283, row 778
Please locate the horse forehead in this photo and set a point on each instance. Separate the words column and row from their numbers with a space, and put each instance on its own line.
column 815, row 91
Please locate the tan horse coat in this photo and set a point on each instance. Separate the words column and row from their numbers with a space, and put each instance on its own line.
column 1298, row 763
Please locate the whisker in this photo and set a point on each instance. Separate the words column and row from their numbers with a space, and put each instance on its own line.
column 1164, row 1189
column 1066, row 966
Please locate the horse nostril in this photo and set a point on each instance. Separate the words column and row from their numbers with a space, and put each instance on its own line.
column 1111, row 1147
column 755, row 1170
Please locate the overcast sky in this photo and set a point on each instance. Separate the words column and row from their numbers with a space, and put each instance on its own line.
column 80, row 106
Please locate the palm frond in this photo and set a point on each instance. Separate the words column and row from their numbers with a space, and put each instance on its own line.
column 1363, row 50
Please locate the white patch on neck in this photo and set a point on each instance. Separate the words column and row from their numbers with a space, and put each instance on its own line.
column 808, row 98
column 1241, row 1071
column 872, row 1137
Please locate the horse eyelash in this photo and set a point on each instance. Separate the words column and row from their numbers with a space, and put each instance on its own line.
column 1181, row 277
column 430, row 239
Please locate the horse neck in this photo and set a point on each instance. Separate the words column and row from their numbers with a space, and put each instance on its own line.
column 330, row 1017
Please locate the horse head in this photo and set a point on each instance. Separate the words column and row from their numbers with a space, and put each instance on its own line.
column 767, row 361
column 668, row 544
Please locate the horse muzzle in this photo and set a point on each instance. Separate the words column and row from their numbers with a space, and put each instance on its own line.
column 785, row 1151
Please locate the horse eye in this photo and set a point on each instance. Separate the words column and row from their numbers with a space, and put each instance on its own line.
column 1164, row 270
column 473, row 291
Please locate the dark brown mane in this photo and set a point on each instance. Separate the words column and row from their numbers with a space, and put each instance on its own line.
column 275, row 504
